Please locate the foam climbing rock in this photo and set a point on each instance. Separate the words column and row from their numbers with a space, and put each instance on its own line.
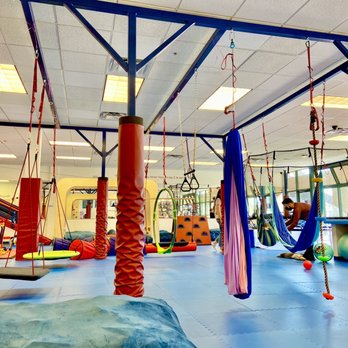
column 104, row 321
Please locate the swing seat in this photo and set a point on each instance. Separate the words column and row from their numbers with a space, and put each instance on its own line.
column 51, row 255
column 23, row 273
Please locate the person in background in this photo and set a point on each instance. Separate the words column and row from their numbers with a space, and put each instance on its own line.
column 300, row 212
column 218, row 216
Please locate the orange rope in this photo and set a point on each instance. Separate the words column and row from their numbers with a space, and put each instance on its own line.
column 267, row 158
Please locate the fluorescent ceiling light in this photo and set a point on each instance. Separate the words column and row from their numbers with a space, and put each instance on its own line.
column 223, row 97
column 159, row 148
column 116, row 88
column 69, row 143
column 330, row 102
column 7, row 155
column 9, row 80
column 221, row 151
column 74, row 158
column 150, row 161
column 339, row 138
column 2, row 180
column 198, row 163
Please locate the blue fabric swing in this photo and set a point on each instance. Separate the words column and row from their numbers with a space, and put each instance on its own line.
column 309, row 233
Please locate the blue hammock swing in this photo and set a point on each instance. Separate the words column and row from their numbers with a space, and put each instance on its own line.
column 309, row 233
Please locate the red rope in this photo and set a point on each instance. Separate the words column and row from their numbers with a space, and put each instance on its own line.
column 314, row 119
column 323, row 126
column 148, row 158
column 40, row 114
column 54, row 156
column 34, row 90
column 234, row 80
column 267, row 158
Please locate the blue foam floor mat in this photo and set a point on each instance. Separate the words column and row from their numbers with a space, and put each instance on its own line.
column 286, row 307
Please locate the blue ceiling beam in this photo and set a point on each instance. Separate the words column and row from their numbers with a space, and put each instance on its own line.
column 97, row 36
column 342, row 48
column 108, row 130
column 196, row 64
column 213, row 149
column 132, row 63
column 340, row 68
column 164, row 45
column 203, row 21
column 37, row 47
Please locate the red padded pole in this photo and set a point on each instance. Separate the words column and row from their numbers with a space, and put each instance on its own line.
column 28, row 217
column 101, row 247
column 129, row 269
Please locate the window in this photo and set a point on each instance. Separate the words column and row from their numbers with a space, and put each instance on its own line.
column 331, row 202
column 344, row 199
column 328, row 177
column 305, row 196
column 342, row 174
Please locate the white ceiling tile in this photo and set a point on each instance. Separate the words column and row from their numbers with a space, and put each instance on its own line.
column 331, row 15
column 266, row 62
column 15, row 31
column 173, row 4
column 216, row 57
column 11, row 9
column 193, row 34
column 82, row 114
column 84, row 104
column 60, row 102
column 284, row 45
column 109, row 124
column 146, row 45
column 79, row 40
column 84, row 93
column 342, row 28
column 16, row 112
column 82, row 62
column 51, row 58
column 114, row 107
column 58, row 90
column 250, row 80
column 84, row 80
column 48, row 35
column 56, row 76
column 98, row 20
column 13, row 98
column 180, row 52
column 156, row 86
column 147, row 27
column 3, row 116
column 221, row 8
column 2, row 40
column 5, row 56
column 271, row 11
column 168, row 71
column 23, row 55
column 241, row 40
column 43, row 13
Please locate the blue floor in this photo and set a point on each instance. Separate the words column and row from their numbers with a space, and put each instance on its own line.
column 286, row 308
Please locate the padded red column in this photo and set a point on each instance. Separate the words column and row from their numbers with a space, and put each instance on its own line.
column 129, row 269
column 101, row 247
column 28, row 217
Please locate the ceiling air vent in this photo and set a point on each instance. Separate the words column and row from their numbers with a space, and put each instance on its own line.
column 111, row 115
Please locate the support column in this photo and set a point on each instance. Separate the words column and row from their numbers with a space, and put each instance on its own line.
column 101, row 243
column 129, row 269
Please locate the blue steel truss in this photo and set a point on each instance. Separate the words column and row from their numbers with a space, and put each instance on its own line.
column 131, row 67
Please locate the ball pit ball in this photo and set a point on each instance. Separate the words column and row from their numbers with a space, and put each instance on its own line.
column 307, row 265
column 328, row 252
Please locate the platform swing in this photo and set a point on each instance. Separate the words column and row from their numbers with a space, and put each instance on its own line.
column 53, row 189
column 237, row 255
column 265, row 225
column 165, row 248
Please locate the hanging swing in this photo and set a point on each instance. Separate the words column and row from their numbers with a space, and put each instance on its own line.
column 237, row 254
column 165, row 248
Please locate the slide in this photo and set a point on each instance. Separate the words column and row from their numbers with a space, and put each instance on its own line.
column 9, row 212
